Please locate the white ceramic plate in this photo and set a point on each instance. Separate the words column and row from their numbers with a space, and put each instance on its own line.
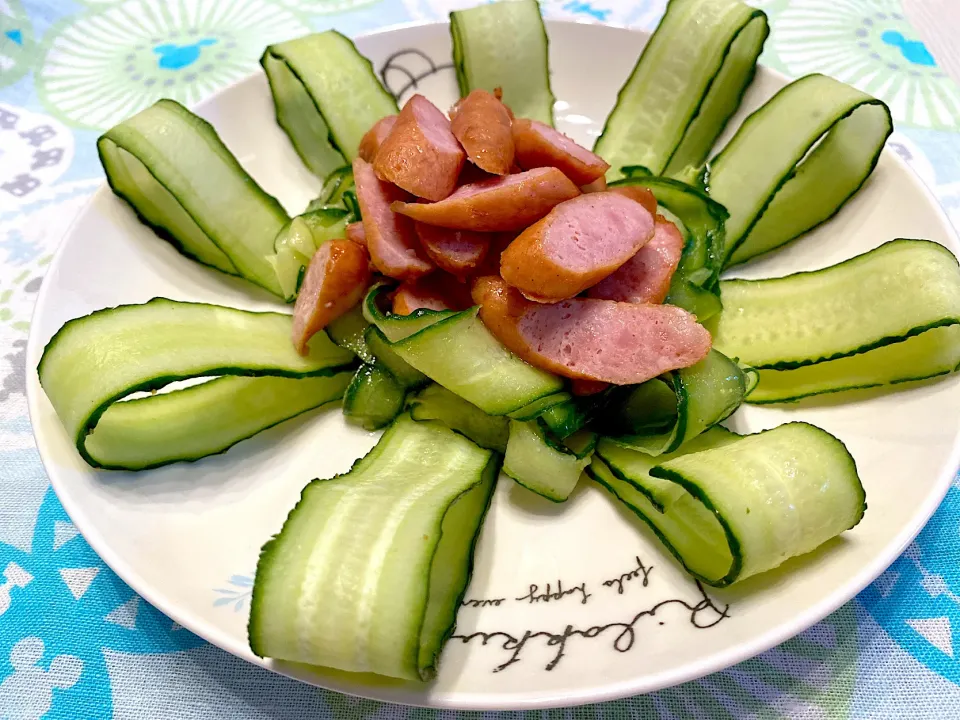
column 543, row 571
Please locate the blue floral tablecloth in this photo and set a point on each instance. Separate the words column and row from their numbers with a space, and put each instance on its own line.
column 75, row 642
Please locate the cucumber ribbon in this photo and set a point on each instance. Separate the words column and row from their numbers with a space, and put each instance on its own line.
column 94, row 362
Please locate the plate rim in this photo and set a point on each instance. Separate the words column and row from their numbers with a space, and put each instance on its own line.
column 467, row 701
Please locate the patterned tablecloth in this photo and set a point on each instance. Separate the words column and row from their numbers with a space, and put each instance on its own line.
column 75, row 642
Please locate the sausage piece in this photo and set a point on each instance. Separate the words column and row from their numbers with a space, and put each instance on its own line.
column 511, row 202
column 420, row 154
column 539, row 145
column 586, row 339
column 645, row 278
column 482, row 125
column 598, row 185
column 458, row 252
column 578, row 244
column 370, row 143
column 391, row 239
column 354, row 232
column 336, row 279
column 434, row 292
column 638, row 193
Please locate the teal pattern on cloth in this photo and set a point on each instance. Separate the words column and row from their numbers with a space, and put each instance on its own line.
column 76, row 642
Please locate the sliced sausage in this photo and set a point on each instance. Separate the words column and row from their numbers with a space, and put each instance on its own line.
column 539, row 145
column 511, row 202
column 336, row 279
column 599, row 185
column 586, row 339
column 355, row 233
column 482, row 125
column 391, row 239
column 434, row 292
column 370, row 143
column 491, row 263
column 645, row 278
column 578, row 244
column 458, row 252
column 638, row 193
column 583, row 388
column 420, row 154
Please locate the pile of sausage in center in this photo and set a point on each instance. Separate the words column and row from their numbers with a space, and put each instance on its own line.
column 509, row 214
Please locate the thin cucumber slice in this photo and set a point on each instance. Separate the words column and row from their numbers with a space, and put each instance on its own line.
column 541, row 466
column 335, row 185
column 435, row 402
column 370, row 567
column 540, row 406
column 899, row 290
column 582, row 443
column 646, row 409
column 326, row 95
column 733, row 507
column 397, row 327
column 931, row 354
column 408, row 377
column 461, row 354
column 566, row 418
column 299, row 239
column 96, row 360
column 504, row 44
column 701, row 220
column 706, row 394
column 687, row 83
column 374, row 397
column 201, row 420
column 348, row 330
column 181, row 180
column 794, row 163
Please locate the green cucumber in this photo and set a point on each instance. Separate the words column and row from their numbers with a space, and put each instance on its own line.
column 97, row 360
column 542, row 466
column 504, row 44
column 688, row 81
column 397, row 327
column 299, row 239
column 326, row 95
column 459, row 353
column 794, row 163
column 566, row 418
column 374, row 397
column 370, row 567
column 840, row 316
column 705, row 394
column 540, row 406
column 435, row 402
column 335, row 185
column 202, row 420
column 931, row 354
column 348, row 331
column 408, row 377
column 701, row 220
column 731, row 507
column 180, row 178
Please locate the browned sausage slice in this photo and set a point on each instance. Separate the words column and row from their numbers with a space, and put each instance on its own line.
column 586, row 339
column 336, row 279
column 511, row 202
column 578, row 244
column 539, row 145
column 598, row 185
column 370, row 143
column 434, row 292
column 354, row 232
column 420, row 154
column 391, row 239
column 638, row 193
column 482, row 125
column 645, row 278
column 458, row 252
